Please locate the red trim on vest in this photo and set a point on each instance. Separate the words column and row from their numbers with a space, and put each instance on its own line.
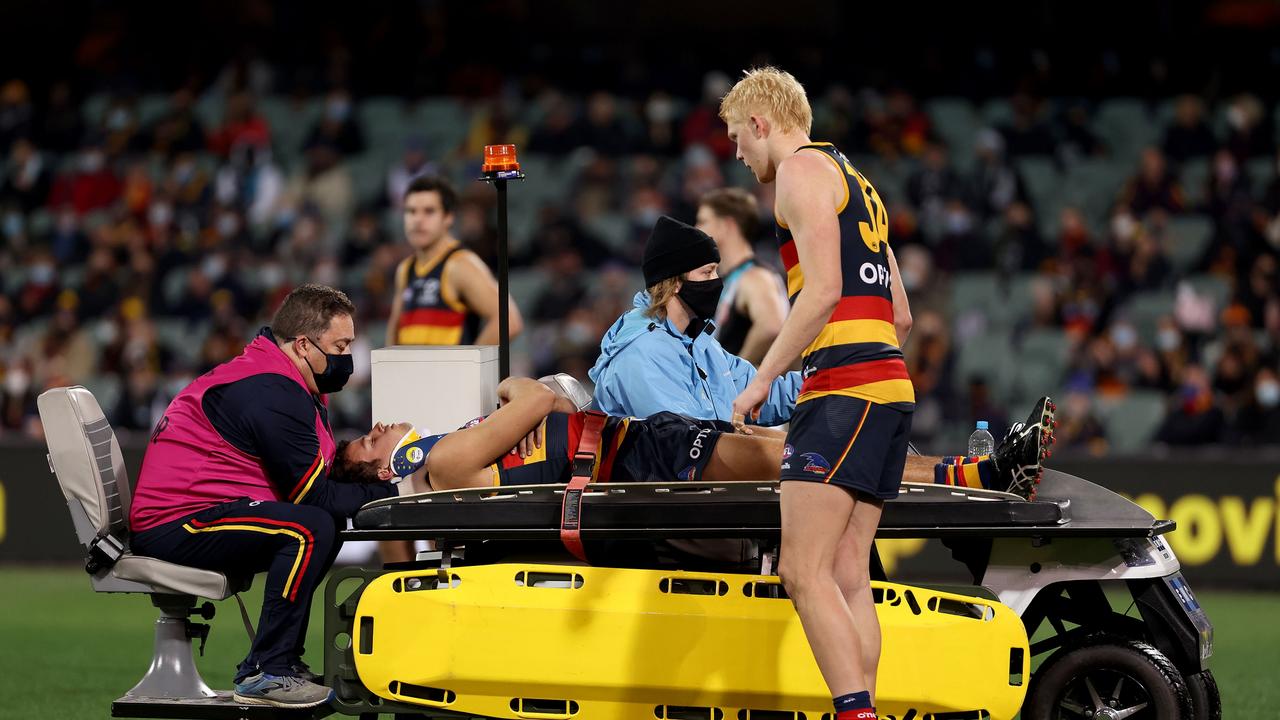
column 305, row 476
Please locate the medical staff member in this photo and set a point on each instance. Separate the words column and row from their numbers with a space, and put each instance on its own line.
column 661, row 356
column 236, row 479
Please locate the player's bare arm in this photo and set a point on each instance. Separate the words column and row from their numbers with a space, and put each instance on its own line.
column 760, row 301
column 397, row 301
column 809, row 191
column 901, row 306
column 462, row 459
column 472, row 282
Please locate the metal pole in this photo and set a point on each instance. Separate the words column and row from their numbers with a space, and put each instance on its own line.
column 504, row 334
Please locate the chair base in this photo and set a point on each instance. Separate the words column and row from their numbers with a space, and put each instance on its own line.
column 173, row 673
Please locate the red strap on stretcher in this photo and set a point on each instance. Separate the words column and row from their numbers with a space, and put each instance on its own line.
column 583, row 460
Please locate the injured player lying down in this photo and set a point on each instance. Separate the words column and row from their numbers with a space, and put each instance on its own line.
column 661, row 448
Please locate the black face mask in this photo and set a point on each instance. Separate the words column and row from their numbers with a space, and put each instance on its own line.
column 702, row 296
column 337, row 371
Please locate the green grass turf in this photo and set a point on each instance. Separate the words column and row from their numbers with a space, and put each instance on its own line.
column 66, row 652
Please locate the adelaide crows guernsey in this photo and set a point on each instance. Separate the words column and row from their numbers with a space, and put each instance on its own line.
column 856, row 353
column 431, row 314
column 553, row 462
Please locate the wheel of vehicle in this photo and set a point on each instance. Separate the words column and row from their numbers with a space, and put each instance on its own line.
column 1206, row 702
column 1106, row 677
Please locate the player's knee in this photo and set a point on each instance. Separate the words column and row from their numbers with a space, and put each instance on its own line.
column 799, row 576
column 853, row 582
column 320, row 526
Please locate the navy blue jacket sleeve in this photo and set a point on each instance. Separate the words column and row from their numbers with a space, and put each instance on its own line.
column 272, row 418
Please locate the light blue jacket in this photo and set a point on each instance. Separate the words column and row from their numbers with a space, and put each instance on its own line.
column 647, row 366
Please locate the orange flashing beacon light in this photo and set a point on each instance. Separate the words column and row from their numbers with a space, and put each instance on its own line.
column 500, row 158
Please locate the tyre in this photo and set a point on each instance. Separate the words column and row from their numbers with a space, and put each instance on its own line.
column 1206, row 703
column 1108, row 678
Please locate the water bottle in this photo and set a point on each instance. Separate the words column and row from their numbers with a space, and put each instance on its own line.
column 980, row 442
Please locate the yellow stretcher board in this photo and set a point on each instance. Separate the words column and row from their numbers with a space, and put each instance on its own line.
column 554, row 641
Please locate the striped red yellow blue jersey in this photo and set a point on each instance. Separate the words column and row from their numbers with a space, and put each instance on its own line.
column 431, row 314
column 856, row 354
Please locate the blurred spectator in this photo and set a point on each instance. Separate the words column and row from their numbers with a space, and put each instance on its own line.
column 37, row 294
column 1249, row 132
column 324, row 184
column 99, row 290
column 555, row 135
column 187, row 184
column 413, row 162
column 566, row 289
column 996, row 183
column 660, row 134
column 1027, row 133
column 26, row 178
column 136, row 189
column 61, row 127
column 253, row 181
column 1194, row 417
column 178, row 129
column 140, row 406
column 1229, row 198
column 366, row 235
column 930, row 362
column 492, row 123
column 1188, row 136
column 981, row 405
column 1146, row 266
column 91, row 186
column 703, row 126
column 18, row 395
column 1258, row 422
column 1076, row 139
column 931, row 186
column 119, row 126
column 895, row 125
column 602, row 127
column 1260, row 286
column 338, row 128
column 1078, row 427
column 241, row 125
column 64, row 354
column 16, row 114
column 1019, row 245
column 1154, row 187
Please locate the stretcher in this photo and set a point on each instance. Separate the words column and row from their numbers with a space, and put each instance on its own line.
column 502, row 621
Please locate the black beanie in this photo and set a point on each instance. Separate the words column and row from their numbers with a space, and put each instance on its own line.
column 675, row 248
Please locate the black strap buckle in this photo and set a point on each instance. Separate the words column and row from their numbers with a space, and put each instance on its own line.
column 104, row 551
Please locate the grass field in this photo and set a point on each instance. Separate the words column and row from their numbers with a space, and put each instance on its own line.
column 66, row 652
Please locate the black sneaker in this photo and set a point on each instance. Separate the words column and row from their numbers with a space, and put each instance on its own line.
column 1020, row 456
column 302, row 670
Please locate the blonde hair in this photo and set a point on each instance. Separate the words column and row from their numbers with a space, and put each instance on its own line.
column 660, row 294
column 771, row 92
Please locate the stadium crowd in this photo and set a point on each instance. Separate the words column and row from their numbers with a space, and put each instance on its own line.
column 1118, row 253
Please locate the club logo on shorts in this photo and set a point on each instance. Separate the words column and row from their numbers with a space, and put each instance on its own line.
column 787, row 450
column 687, row 473
column 815, row 463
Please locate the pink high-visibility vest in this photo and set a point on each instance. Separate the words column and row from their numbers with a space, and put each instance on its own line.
column 189, row 466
